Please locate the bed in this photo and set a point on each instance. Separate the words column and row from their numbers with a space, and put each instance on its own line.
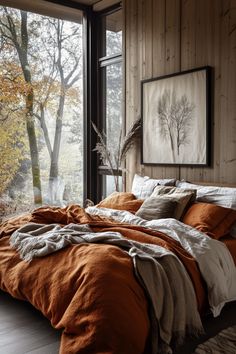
column 114, row 287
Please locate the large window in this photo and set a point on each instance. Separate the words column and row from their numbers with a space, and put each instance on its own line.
column 41, row 110
column 110, row 63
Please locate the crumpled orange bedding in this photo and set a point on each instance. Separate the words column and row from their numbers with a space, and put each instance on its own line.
column 89, row 290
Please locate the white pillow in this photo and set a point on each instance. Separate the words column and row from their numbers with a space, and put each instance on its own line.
column 223, row 196
column 142, row 187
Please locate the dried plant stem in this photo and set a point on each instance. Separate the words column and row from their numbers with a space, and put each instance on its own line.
column 132, row 136
column 105, row 154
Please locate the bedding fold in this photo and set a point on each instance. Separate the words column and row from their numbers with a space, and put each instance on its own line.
column 99, row 223
column 88, row 291
column 214, row 259
column 102, row 300
column 166, row 281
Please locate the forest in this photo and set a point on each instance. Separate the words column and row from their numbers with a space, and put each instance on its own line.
column 41, row 110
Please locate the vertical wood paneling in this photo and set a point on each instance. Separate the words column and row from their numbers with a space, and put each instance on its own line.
column 188, row 34
column 175, row 35
column 159, row 54
column 172, row 54
column 230, row 155
column 228, row 90
column 216, row 82
column 188, row 49
column 172, row 37
column 204, row 55
column 159, row 43
column 147, row 46
column 132, row 78
column 200, row 46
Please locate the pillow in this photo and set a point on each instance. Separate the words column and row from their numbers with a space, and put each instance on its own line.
column 142, row 187
column 183, row 196
column 157, row 208
column 212, row 219
column 121, row 201
column 223, row 196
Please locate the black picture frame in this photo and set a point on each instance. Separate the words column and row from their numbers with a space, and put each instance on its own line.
column 176, row 118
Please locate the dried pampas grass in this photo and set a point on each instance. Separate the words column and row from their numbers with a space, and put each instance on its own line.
column 132, row 136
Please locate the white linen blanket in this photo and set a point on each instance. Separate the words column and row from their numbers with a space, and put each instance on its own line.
column 174, row 307
column 214, row 259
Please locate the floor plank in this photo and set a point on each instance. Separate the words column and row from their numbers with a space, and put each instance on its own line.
column 212, row 327
column 23, row 329
column 48, row 349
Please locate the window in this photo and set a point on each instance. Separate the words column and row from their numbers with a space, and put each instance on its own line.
column 41, row 110
column 110, row 64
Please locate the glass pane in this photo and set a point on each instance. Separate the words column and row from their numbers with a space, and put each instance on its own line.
column 109, row 185
column 113, row 109
column 113, row 33
column 41, row 111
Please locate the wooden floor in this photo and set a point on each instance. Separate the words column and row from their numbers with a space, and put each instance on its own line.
column 24, row 330
column 212, row 326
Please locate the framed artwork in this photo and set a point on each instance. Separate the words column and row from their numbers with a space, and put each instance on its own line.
column 175, row 113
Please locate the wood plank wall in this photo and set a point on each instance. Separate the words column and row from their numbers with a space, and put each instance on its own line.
column 166, row 36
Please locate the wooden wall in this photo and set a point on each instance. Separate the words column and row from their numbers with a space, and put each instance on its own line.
column 166, row 36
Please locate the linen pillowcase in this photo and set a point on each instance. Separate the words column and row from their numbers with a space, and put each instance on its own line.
column 157, row 208
column 183, row 196
column 223, row 196
column 212, row 219
column 121, row 201
column 142, row 187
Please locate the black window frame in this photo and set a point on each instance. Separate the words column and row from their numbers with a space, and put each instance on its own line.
column 104, row 61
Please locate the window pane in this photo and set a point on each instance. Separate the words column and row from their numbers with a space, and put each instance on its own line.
column 113, row 107
column 113, row 33
column 109, row 185
column 41, row 111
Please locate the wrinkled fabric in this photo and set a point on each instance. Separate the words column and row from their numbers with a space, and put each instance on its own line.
column 89, row 291
column 214, row 259
column 76, row 214
column 173, row 303
column 103, row 308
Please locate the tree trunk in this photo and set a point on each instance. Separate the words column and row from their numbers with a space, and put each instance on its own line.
column 178, row 144
column 21, row 44
column 171, row 142
column 33, row 148
column 55, row 185
column 45, row 130
column 29, row 100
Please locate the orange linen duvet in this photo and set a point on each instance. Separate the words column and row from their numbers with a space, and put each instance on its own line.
column 88, row 290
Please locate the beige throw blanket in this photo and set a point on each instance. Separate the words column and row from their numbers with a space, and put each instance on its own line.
column 173, row 302
column 214, row 259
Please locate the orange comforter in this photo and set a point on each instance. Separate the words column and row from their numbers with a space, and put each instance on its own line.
column 89, row 290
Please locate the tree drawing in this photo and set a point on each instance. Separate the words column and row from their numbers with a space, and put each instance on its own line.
column 175, row 116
